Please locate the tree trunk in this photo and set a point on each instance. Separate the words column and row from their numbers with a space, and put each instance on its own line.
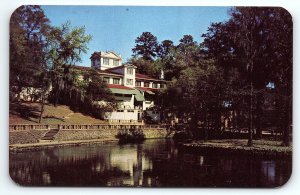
column 218, row 121
column 193, row 127
column 238, row 119
column 250, row 130
column 258, row 111
column 286, row 121
column 56, row 97
column 205, row 126
column 57, row 92
column 42, row 106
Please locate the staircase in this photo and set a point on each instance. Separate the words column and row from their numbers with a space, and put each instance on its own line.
column 49, row 136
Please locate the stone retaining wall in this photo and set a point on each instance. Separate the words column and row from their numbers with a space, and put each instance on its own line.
column 155, row 133
column 70, row 135
column 22, row 137
column 25, row 137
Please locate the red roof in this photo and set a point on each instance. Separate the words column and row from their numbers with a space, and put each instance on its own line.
column 118, row 86
column 146, row 88
column 119, row 67
column 109, row 73
column 143, row 76
column 99, row 71
column 115, row 68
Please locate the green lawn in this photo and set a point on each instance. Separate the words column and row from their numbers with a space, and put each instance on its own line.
column 28, row 113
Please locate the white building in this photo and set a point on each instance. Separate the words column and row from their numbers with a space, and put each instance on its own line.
column 134, row 92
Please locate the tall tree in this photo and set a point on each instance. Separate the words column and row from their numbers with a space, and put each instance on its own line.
column 65, row 48
column 249, row 42
column 28, row 40
column 186, row 54
column 246, row 19
column 151, row 68
column 218, row 44
column 281, row 29
column 164, row 48
column 146, row 46
column 258, row 30
column 29, row 27
column 186, row 43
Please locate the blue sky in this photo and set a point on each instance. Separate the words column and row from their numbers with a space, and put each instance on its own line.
column 116, row 27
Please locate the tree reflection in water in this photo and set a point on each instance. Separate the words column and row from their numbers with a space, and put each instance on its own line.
column 152, row 163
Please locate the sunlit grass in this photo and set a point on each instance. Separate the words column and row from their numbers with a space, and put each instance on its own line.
column 60, row 114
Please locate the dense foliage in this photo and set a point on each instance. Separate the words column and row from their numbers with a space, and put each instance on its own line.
column 228, row 74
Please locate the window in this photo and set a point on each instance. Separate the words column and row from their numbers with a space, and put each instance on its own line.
column 116, row 81
column 155, row 85
column 129, row 70
column 146, row 84
column 106, row 80
column 116, row 62
column 138, row 83
column 106, row 61
column 129, row 81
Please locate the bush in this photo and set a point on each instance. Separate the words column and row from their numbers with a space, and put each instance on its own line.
column 132, row 135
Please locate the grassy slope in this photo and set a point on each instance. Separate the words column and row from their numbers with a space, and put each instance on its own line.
column 28, row 113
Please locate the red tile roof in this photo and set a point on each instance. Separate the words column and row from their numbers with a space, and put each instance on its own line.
column 119, row 67
column 143, row 76
column 118, row 86
column 109, row 73
column 115, row 68
column 99, row 71
column 147, row 89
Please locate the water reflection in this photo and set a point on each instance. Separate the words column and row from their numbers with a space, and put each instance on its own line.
column 153, row 163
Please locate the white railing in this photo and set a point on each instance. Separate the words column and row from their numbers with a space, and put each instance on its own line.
column 28, row 127
column 111, row 125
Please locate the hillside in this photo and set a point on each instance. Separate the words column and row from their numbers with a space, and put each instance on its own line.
column 28, row 113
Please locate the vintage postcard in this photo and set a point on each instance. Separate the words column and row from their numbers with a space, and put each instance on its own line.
column 150, row 96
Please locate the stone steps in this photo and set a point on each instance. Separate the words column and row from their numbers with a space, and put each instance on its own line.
column 49, row 136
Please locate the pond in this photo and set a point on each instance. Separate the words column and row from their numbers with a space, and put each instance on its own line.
column 154, row 163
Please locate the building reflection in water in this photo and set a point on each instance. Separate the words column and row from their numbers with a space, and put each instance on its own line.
column 153, row 163
column 132, row 160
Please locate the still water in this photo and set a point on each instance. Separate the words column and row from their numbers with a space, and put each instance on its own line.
column 154, row 163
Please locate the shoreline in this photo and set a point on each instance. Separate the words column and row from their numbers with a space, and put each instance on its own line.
column 52, row 144
column 36, row 139
column 260, row 148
